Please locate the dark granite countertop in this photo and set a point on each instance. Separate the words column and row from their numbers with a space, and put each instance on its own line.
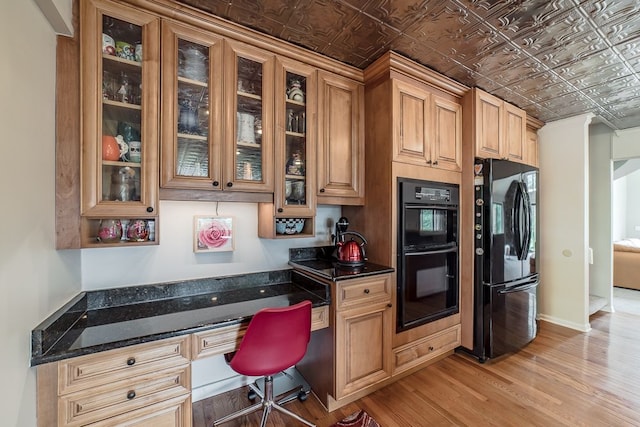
column 321, row 262
column 103, row 320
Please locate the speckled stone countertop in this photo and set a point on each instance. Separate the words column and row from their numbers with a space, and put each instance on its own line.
column 321, row 262
column 102, row 320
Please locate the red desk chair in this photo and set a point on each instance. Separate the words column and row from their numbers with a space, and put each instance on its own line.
column 276, row 339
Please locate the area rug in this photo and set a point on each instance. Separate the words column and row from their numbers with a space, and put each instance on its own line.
column 357, row 419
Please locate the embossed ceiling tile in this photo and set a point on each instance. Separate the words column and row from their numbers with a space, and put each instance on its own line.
column 511, row 96
column 620, row 109
column 276, row 10
column 303, row 38
column 504, row 55
column 399, row 14
column 485, row 83
column 364, row 37
column 568, row 105
column 587, row 43
column 555, row 33
column 325, row 19
column 217, row 7
column 442, row 28
column 255, row 20
column 595, row 67
column 539, row 112
column 604, row 11
column 411, row 48
column 629, row 49
column 540, row 88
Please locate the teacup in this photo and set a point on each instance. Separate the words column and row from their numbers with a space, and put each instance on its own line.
column 108, row 44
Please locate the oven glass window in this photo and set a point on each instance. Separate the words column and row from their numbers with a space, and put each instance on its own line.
column 431, row 289
column 424, row 227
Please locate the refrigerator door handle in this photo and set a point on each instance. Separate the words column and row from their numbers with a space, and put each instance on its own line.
column 526, row 201
column 517, row 217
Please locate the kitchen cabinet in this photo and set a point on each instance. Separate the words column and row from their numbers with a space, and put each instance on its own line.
column 134, row 386
column 293, row 210
column 531, row 148
column 208, row 144
column 340, row 130
column 417, row 352
column 120, row 73
column 497, row 128
column 363, row 333
column 428, row 129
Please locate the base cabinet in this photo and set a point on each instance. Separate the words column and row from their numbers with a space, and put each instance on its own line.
column 362, row 335
column 146, row 384
column 420, row 351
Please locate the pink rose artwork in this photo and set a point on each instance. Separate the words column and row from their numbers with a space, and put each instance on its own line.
column 214, row 233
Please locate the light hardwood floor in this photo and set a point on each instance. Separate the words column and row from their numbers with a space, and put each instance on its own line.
column 563, row 378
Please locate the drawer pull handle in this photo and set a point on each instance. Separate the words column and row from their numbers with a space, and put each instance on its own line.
column 131, row 394
column 430, row 348
column 366, row 291
column 131, row 361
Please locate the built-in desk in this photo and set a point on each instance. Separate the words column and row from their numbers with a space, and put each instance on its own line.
column 124, row 355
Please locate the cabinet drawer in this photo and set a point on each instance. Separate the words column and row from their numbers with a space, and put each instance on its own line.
column 417, row 352
column 110, row 366
column 174, row 412
column 227, row 338
column 350, row 293
column 109, row 400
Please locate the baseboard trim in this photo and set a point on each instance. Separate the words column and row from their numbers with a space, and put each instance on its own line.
column 586, row 327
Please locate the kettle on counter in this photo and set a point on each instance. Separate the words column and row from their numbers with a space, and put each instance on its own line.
column 349, row 253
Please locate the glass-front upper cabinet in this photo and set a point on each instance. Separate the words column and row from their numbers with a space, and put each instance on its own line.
column 248, row 154
column 192, row 129
column 120, row 91
column 295, row 161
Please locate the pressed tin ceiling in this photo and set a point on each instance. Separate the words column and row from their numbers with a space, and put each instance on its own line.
column 554, row 59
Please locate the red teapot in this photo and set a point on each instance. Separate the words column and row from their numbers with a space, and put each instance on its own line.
column 351, row 253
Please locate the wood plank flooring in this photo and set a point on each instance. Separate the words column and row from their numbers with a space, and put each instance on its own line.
column 563, row 378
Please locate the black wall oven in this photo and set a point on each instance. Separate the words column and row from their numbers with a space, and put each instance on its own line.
column 427, row 252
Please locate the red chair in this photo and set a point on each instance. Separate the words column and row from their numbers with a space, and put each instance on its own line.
column 276, row 339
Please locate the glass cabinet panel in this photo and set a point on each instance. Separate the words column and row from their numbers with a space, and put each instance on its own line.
column 295, row 144
column 191, row 109
column 120, row 72
column 249, row 164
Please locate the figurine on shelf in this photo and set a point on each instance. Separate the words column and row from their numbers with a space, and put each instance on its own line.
column 295, row 92
column 295, row 165
column 123, row 92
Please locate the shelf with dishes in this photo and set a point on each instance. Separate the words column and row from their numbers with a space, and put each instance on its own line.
column 118, row 232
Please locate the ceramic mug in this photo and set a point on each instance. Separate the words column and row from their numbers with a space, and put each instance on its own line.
column 108, row 44
column 125, row 50
column 134, row 151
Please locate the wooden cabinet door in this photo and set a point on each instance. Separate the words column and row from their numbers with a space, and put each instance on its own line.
column 362, row 351
column 531, row 148
column 248, row 94
column 412, row 112
column 447, row 134
column 515, row 123
column 191, row 108
column 340, row 140
column 489, row 125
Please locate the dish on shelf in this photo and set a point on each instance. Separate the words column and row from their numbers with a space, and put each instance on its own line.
column 289, row 225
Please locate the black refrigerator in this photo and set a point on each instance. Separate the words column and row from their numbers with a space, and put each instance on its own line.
column 505, row 275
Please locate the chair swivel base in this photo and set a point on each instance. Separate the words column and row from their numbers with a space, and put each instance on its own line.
column 288, row 381
column 267, row 403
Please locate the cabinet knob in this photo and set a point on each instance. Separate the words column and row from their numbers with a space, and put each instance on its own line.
column 435, row 163
column 322, row 190
column 131, row 361
column 389, row 305
column 428, row 162
column 229, row 184
column 366, row 291
column 149, row 209
column 430, row 348
column 215, row 183
column 280, row 210
column 131, row 394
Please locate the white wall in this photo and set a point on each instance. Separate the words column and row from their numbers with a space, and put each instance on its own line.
column 632, row 220
column 619, row 207
column 174, row 259
column 600, row 216
column 564, row 222
column 35, row 278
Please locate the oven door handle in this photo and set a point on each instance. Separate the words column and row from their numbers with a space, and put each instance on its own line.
column 439, row 251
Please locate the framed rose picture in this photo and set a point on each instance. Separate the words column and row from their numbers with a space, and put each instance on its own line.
column 213, row 234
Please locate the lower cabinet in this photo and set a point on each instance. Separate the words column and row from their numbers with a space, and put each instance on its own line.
column 145, row 384
column 362, row 337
